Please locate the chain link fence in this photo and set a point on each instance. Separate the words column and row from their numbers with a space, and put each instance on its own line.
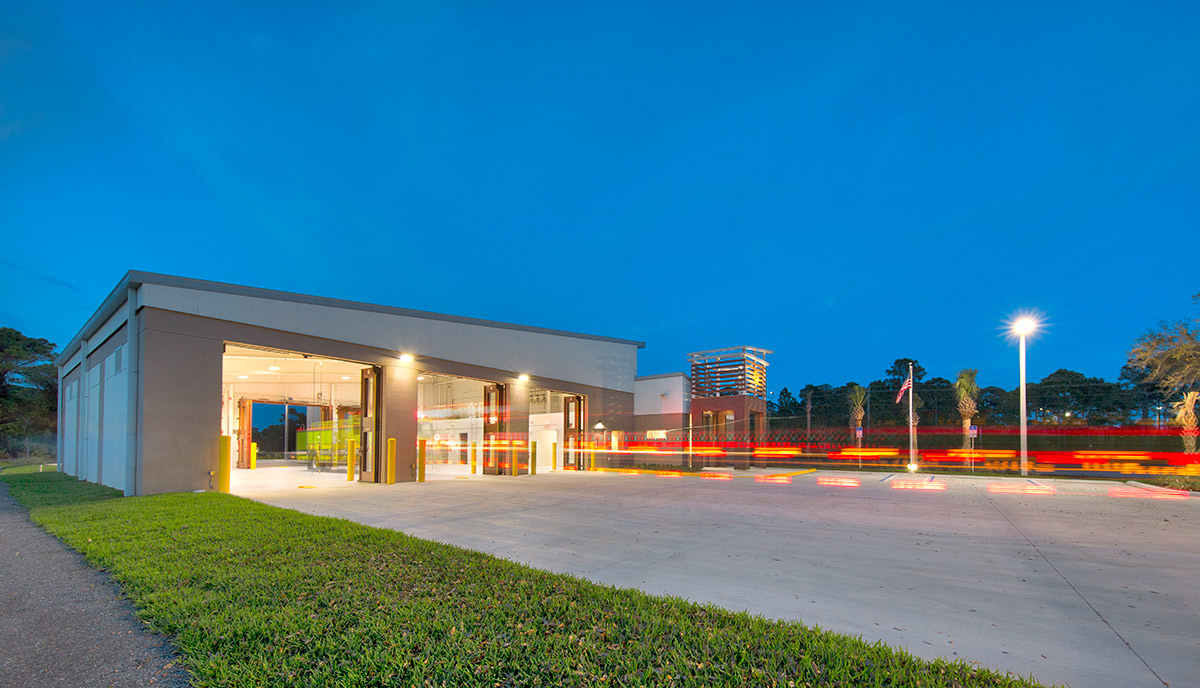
column 30, row 449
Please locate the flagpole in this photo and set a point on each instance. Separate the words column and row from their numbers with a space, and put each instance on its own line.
column 912, row 433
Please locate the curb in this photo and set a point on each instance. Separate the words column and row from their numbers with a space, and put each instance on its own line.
column 1158, row 487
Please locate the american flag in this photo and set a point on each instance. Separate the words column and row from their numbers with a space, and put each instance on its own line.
column 904, row 388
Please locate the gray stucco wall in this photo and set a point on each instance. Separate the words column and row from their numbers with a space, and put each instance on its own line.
column 180, row 406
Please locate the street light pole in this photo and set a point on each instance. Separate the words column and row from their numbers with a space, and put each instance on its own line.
column 1023, row 327
column 1024, row 413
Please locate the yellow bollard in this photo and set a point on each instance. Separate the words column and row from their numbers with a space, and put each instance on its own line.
column 224, row 454
column 253, row 455
column 421, row 461
column 391, row 461
column 351, row 459
column 512, row 457
column 472, row 458
column 554, row 456
column 593, row 462
column 533, row 457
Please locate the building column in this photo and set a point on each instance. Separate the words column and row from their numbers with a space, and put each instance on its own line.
column 81, row 422
column 518, row 417
column 398, row 419
column 133, row 367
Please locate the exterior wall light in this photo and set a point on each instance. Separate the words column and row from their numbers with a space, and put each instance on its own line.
column 406, row 358
column 523, row 378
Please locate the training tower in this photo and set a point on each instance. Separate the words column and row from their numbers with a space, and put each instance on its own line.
column 729, row 393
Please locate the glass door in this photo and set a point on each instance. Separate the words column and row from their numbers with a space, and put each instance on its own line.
column 495, row 441
column 573, row 433
column 368, row 462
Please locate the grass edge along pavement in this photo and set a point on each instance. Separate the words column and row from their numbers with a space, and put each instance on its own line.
column 257, row 595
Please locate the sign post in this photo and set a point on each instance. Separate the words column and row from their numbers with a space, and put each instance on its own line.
column 858, row 434
column 973, row 432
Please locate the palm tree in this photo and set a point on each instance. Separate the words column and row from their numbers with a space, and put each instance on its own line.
column 966, row 392
column 1185, row 415
column 857, row 397
column 917, row 403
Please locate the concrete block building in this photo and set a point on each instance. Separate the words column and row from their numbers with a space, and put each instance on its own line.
column 167, row 365
column 661, row 404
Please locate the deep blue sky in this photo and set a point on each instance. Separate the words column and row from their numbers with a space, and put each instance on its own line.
column 844, row 183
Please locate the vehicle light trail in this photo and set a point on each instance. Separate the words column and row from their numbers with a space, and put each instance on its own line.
column 839, row 482
column 1140, row 493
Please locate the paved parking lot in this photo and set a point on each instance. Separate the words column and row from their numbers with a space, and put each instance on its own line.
column 1085, row 583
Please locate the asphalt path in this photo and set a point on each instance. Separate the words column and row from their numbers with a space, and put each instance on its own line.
column 1083, row 583
column 64, row 624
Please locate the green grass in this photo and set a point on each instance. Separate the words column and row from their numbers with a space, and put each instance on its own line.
column 255, row 595
column 1175, row 482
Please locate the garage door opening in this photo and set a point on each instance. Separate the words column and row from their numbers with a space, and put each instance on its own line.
column 461, row 418
column 289, row 410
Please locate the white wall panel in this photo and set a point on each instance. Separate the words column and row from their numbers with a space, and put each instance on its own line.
column 659, row 395
column 115, row 421
column 105, row 331
column 588, row 361
column 170, row 298
column 91, row 464
column 72, row 361
column 70, row 429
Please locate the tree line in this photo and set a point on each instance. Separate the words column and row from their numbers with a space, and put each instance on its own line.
column 1062, row 397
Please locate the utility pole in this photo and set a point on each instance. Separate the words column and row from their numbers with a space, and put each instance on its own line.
column 808, row 419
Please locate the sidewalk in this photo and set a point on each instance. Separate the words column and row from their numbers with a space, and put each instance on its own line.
column 65, row 624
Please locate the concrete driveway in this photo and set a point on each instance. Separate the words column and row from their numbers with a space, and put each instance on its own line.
column 1075, row 582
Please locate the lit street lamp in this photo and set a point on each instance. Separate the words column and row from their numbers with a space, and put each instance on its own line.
column 1022, row 327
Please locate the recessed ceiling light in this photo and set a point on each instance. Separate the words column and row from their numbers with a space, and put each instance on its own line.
column 243, row 377
column 420, row 377
column 345, row 377
column 273, row 368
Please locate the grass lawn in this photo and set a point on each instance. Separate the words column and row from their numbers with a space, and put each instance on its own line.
column 255, row 595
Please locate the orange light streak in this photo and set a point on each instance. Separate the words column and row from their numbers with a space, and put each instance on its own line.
column 1139, row 493
column 716, row 476
column 884, row 451
column 773, row 451
column 839, row 482
column 776, row 479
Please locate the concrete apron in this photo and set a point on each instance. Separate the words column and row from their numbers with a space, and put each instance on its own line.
column 1089, row 586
